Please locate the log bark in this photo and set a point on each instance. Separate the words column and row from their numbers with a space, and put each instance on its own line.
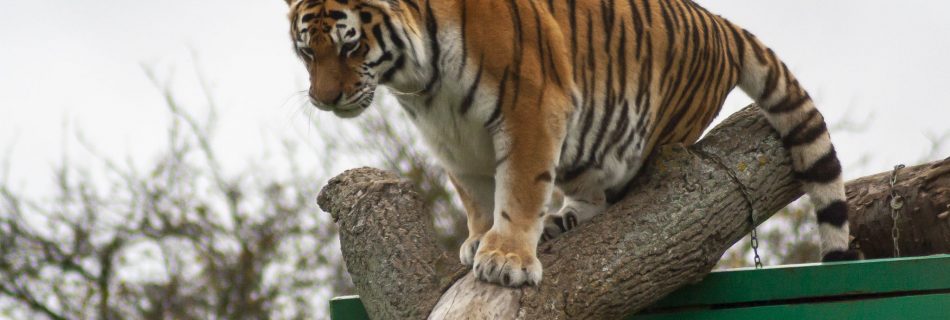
column 923, row 222
column 688, row 206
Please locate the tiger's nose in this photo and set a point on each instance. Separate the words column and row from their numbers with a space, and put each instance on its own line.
column 325, row 97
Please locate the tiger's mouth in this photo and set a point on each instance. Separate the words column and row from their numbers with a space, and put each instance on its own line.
column 347, row 106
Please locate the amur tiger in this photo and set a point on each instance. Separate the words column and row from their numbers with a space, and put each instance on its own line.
column 515, row 97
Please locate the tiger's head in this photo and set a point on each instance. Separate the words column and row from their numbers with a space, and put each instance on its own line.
column 349, row 47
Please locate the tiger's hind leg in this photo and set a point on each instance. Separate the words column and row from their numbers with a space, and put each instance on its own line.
column 584, row 198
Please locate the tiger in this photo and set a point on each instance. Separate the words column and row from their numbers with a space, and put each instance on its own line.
column 518, row 97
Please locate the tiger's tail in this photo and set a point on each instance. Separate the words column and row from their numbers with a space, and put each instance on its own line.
column 792, row 113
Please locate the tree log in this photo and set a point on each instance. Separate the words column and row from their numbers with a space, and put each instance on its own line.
column 687, row 207
column 923, row 222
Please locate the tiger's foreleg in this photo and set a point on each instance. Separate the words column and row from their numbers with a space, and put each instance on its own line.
column 478, row 196
column 527, row 142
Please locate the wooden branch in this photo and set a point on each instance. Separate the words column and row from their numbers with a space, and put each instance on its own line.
column 689, row 205
column 923, row 222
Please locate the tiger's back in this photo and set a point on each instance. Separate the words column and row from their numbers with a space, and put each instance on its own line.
column 518, row 96
column 649, row 73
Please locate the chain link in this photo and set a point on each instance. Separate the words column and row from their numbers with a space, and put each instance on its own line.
column 755, row 245
column 897, row 202
column 753, row 236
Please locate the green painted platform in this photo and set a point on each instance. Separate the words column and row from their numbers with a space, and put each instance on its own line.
column 902, row 288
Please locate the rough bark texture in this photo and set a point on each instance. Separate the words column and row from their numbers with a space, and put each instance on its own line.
column 388, row 243
column 923, row 221
column 689, row 205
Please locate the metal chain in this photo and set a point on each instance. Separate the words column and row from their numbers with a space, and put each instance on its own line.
column 754, row 237
column 755, row 243
column 897, row 202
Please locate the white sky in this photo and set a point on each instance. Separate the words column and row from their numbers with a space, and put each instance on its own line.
column 80, row 63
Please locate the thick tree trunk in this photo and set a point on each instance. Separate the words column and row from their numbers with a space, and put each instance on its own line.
column 689, row 205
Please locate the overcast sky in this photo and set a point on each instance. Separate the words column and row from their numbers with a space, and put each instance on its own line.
column 80, row 63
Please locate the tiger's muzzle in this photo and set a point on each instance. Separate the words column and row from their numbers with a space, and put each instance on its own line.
column 343, row 105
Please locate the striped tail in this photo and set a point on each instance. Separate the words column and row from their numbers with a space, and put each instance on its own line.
column 804, row 134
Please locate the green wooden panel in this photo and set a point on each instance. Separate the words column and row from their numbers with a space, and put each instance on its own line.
column 347, row 308
column 902, row 288
column 814, row 280
column 931, row 306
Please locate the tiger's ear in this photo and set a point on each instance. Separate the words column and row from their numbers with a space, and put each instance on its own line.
column 291, row 2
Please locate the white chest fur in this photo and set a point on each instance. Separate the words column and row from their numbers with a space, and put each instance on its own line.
column 461, row 143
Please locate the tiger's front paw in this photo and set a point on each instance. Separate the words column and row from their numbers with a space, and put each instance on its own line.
column 468, row 249
column 505, row 260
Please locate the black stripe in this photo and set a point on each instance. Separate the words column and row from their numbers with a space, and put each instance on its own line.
column 386, row 56
column 591, row 53
column 572, row 173
column 606, row 121
column 804, row 133
column 835, row 213
column 648, row 12
column 470, row 96
column 501, row 160
column 624, row 144
column 624, row 123
column 412, row 3
column 670, row 38
column 739, row 42
column 609, row 16
column 824, row 170
column 388, row 75
column 392, row 33
column 588, row 111
column 789, row 104
column 637, row 26
column 646, row 76
column 432, row 28
column 554, row 69
column 622, row 59
column 496, row 114
column 378, row 33
column 544, row 177
column 771, row 80
column 405, row 35
column 336, row 15
column 539, row 43
column 505, row 215
column 755, row 46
